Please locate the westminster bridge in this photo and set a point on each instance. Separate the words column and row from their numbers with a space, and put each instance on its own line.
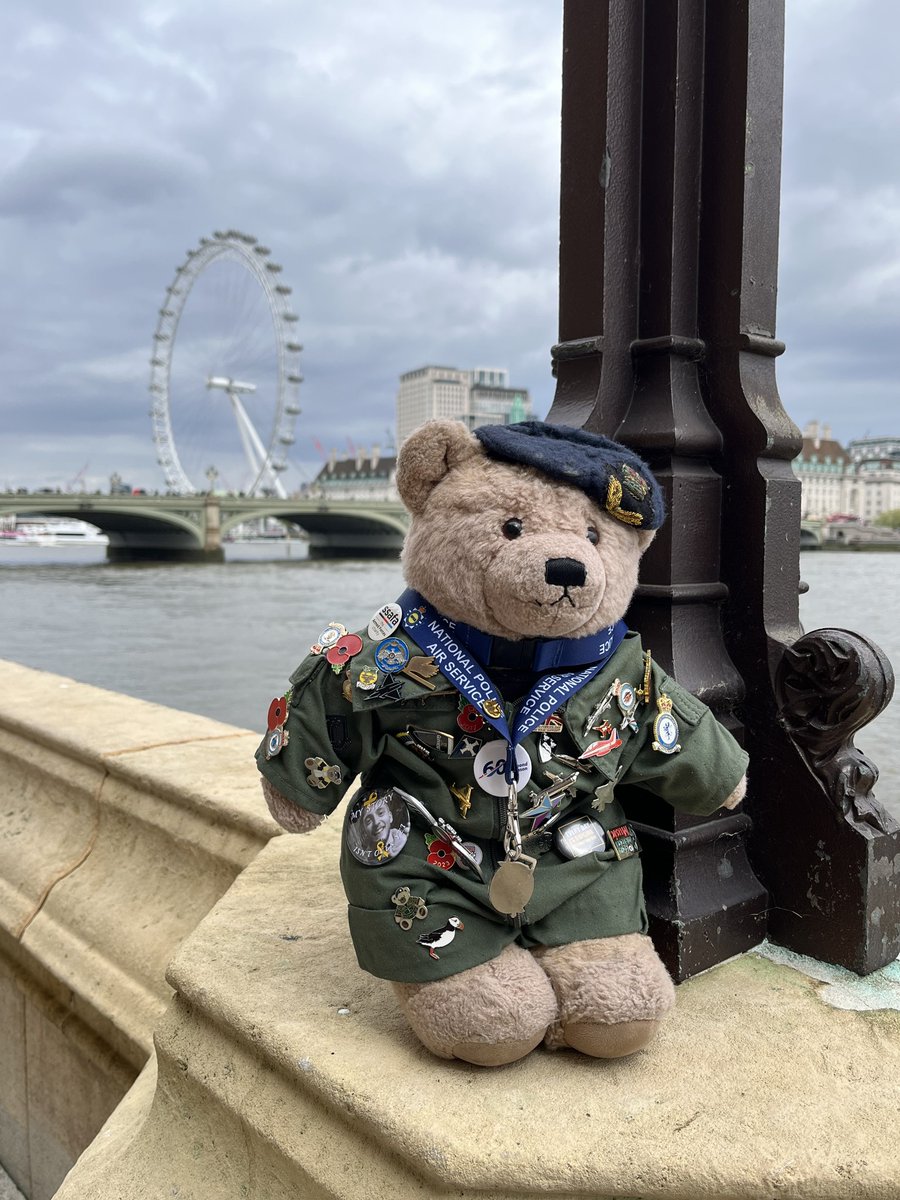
column 192, row 528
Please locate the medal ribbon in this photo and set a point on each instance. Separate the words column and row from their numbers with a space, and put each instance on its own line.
column 444, row 641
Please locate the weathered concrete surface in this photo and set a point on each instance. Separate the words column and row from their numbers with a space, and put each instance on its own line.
column 121, row 823
column 286, row 1072
column 8, row 1190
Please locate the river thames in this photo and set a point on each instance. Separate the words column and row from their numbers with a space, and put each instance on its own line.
column 221, row 639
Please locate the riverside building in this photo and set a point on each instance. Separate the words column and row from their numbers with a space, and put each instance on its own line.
column 481, row 396
column 371, row 476
column 861, row 481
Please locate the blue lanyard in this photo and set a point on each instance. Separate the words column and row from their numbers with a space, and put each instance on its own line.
column 448, row 643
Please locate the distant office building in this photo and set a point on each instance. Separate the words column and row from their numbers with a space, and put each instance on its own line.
column 862, row 481
column 477, row 397
column 371, row 476
column 874, row 483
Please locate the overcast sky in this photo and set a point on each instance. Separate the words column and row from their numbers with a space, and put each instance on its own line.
column 401, row 161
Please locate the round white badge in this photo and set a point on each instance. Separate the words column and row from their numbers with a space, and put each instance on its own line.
column 385, row 621
column 489, row 764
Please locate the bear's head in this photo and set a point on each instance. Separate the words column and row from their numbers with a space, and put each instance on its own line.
column 527, row 530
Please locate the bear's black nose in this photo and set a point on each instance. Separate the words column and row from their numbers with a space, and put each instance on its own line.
column 565, row 572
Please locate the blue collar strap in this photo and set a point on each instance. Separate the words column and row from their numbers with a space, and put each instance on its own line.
column 548, row 654
column 451, row 646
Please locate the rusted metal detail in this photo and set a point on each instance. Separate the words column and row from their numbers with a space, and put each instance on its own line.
column 684, row 346
column 580, row 348
column 830, row 684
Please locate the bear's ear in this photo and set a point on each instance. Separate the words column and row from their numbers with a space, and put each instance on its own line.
column 427, row 455
column 645, row 537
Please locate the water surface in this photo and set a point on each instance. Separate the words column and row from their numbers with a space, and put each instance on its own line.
column 221, row 639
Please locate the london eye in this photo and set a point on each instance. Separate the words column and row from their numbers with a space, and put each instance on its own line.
column 225, row 375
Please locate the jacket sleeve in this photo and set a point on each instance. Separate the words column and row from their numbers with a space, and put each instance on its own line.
column 707, row 769
column 320, row 725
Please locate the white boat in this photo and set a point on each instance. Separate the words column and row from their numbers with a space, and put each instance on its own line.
column 52, row 531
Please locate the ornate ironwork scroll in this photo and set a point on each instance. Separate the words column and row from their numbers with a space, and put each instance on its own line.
column 831, row 683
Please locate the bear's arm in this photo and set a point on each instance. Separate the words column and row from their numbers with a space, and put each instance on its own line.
column 707, row 771
column 320, row 725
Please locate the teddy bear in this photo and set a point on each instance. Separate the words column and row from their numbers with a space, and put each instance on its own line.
column 489, row 713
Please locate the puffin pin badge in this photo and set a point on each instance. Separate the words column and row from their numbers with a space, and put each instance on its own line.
column 439, row 938
column 665, row 727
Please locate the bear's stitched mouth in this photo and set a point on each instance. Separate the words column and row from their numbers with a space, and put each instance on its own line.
column 554, row 621
column 554, row 603
column 565, row 596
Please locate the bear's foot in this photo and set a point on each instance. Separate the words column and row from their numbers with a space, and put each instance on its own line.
column 489, row 1015
column 612, row 994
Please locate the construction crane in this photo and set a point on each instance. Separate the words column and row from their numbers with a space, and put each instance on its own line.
column 72, row 485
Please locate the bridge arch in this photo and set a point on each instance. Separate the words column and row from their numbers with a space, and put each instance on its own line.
column 138, row 527
column 333, row 529
column 190, row 528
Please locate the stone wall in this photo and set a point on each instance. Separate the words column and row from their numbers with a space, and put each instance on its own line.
column 121, row 824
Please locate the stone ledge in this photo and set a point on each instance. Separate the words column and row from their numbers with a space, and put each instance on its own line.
column 755, row 1088
column 121, row 824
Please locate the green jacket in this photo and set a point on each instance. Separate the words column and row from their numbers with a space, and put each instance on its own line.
column 333, row 723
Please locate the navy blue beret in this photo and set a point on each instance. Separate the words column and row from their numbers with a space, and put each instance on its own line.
column 611, row 474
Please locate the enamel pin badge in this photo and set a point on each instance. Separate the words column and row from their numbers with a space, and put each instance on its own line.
column 665, row 727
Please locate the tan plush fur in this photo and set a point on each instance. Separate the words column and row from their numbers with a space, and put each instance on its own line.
column 737, row 795
column 289, row 816
column 496, row 583
column 490, row 1015
column 607, row 981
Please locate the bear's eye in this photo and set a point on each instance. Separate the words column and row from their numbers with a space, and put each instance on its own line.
column 592, row 535
column 512, row 528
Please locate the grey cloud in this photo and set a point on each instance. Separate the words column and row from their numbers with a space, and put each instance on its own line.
column 402, row 163
column 60, row 181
